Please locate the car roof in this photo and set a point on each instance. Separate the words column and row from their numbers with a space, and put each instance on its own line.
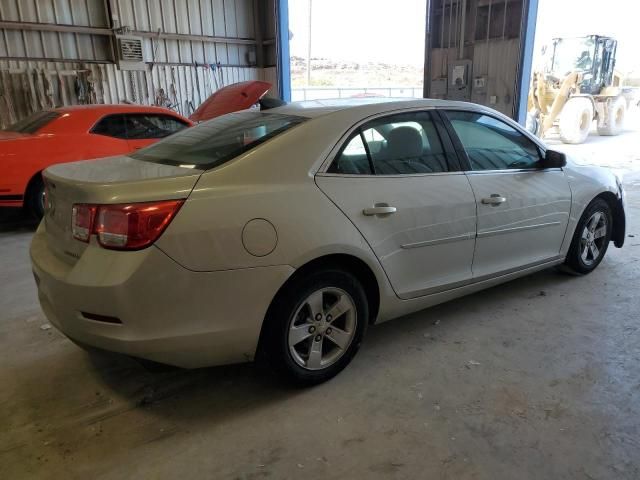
column 349, row 111
column 112, row 108
column 75, row 119
column 365, row 106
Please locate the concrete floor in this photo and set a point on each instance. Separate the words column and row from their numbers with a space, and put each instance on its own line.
column 537, row 378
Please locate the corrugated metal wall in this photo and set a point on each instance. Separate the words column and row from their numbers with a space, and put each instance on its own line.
column 61, row 52
column 497, row 61
column 492, row 31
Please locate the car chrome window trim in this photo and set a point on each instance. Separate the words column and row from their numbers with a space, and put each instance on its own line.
column 400, row 175
column 513, row 170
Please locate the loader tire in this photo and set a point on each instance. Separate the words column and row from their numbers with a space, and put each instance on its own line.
column 615, row 112
column 575, row 120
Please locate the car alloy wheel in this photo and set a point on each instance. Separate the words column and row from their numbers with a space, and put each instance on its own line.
column 593, row 238
column 315, row 325
column 322, row 328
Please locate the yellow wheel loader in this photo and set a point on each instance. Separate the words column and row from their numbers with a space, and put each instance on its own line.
column 576, row 86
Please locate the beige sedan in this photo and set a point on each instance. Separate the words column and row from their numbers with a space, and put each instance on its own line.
column 283, row 234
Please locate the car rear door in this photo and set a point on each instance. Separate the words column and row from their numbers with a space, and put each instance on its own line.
column 143, row 129
column 523, row 209
column 397, row 179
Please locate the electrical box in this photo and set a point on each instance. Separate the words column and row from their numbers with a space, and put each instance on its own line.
column 459, row 80
column 129, row 53
column 480, row 85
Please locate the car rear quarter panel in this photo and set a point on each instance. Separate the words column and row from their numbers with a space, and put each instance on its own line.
column 21, row 159
column 274, row 182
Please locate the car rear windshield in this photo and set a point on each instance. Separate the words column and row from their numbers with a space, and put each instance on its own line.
column 33, row 123
column 217, row 141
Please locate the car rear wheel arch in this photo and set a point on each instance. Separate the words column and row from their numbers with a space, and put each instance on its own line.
column 30, row 194
column 344, row 262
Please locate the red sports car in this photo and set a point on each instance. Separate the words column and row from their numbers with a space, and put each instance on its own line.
column 92, row 131
column 73, row 133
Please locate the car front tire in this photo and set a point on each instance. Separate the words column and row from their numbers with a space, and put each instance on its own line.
column 315, row 326
column 591, row 238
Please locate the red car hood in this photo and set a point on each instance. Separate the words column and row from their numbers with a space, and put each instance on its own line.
column 4, row 135
column 231, row 98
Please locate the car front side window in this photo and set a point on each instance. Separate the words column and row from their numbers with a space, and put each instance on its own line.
column 111, row 126
column 150, row 126
column 401, row 144
column 491, row 144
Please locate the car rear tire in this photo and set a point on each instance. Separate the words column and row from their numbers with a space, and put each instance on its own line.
column 591, row 238
column 575, row 120
column 34, row 198
column 315, row 326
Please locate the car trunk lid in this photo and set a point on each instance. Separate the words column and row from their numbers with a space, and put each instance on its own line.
column 229, row 99
column 106, row 181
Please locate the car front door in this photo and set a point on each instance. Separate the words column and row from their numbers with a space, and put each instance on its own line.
column 397, row 180
column 523, row 209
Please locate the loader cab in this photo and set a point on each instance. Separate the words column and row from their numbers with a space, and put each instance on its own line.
column 593, row 56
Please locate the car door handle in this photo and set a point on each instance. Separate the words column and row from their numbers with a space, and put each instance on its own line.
column 379, row 209
column 494, row 200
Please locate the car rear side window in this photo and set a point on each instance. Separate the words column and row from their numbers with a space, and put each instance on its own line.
column 138, row 126
column 150, row 126
column 33, row 123
column 401, row 144
column 492, row 144
column 217, row 141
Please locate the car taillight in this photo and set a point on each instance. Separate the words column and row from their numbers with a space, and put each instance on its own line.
column 82, row 221
column 131, row 226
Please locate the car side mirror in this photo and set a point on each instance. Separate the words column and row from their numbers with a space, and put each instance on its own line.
column 554, row 159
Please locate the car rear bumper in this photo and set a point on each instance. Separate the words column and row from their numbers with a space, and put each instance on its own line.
column 145, row 305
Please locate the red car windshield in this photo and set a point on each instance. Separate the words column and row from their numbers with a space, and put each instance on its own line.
column 33, row 123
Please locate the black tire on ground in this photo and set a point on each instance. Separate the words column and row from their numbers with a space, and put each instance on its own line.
column 596, row 220
column 575, row 120
column 288, row 311
column 34, row 197
column 615, row 112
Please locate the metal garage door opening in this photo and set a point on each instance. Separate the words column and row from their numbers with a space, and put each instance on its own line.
column 585, row 84
column 356, row 48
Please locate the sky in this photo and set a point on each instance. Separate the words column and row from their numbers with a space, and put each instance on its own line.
column 615, row 18
column 387, row 31
column 392, row 31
